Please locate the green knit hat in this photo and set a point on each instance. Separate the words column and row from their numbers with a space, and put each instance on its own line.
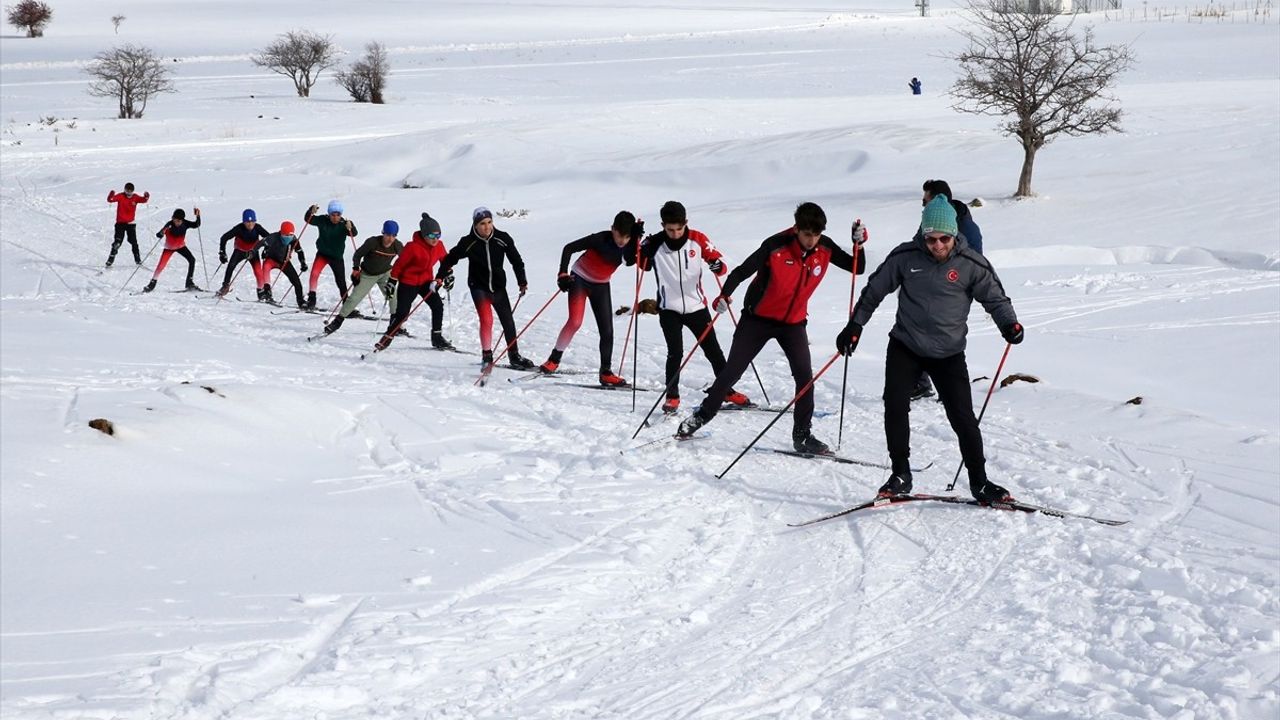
column 939, row 217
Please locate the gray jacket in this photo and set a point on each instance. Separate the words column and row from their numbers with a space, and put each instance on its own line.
column 933, row 305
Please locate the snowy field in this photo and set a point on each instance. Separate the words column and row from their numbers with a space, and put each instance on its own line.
column 279, row 530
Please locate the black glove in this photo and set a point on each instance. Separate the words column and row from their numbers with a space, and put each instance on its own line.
column 390, row 288
column 565, row 281
column 355, row 277
column 523, row 289
column 637, row 230
column 1012, row 333
column 715, row 266
column 448, row 281
column 302, row 264
column 222, row 256
column 847, row 340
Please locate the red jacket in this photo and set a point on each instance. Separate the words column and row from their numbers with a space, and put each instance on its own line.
column 787, row 275
column 126, row 205
column 417, row 262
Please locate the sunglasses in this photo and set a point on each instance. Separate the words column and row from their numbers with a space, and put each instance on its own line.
column 942, row 240
column 433, row 236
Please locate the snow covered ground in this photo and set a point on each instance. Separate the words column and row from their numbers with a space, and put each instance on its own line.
column 279, row 530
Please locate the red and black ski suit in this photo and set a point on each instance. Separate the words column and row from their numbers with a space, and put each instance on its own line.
column 126, row 208
column 600, row 258
column 175, row 241
column 777, row 308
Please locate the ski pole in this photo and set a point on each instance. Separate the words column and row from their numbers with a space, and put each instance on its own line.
column 853, row 283
column 138, row 267
column 990, row 390
column 204, row 263
column 489, row 368
column 233, row 277
column 391, row 332
column 672, row 382
column 753, row 362
column 778, row 417
column 353, row 269
column 635, row 304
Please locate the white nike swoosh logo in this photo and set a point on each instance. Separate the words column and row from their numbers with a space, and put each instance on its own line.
column 917, row 269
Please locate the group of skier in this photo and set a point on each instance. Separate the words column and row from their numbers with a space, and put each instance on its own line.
column 939, row 272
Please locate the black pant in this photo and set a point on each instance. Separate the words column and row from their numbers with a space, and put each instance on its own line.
column 672, row 324
column 238, row 256
column 500, row 304
column 951, row 379
column 405, row 295
column 748, row 341
column 131, row 230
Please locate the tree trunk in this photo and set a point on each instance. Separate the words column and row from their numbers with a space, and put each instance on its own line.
column 1028, row 165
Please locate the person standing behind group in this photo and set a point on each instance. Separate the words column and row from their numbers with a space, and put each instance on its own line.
column 676, row 256
column 331, row 246
column 487, row 249
column 247, row 234
column 602, row 254
column 371, row 266
column 126, row 207
column 174, row 233
column 413, row 277
column 788, row 267
column 939, row 276
column 276, row 249
column 915, row 86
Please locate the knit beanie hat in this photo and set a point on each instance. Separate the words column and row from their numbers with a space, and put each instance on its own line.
column 939, row 217
column 335, row 207
column 179, row 214
column 428, row 225
column 391, row 227
column 248, row 216
column 286, row 228
column 480, row 213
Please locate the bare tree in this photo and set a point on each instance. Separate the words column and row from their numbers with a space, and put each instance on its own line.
column 131, row 74
column 367, row 77
column 300, row 55
column 115, row 22
column 32, row 16
column 1039, row 74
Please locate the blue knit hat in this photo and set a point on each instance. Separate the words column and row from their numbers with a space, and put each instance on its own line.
column 248, row 215
column 480, row 213
column 391, row 227
column 335, row 207
column 939, row 217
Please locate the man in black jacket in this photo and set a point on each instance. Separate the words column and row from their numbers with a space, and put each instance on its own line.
column 486, row 249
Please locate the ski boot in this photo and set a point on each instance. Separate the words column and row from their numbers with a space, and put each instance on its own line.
column 222, row 291
column 897, row 484
column 311, row 300
column 804, row 442
column 671, row 405
column 987, row 492
column 383, row 343
column 519, row 362
column 192, row 286
column 439, row 342
column 486, row 358
column 333, row 325
column 553, row 362
column 266, row 294
column 690, row 425
column 149, row 286
column 608, row 379
column 923, row 388
column 736, row 398
column 111, row 259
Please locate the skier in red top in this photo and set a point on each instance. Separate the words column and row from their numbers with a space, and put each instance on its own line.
column 174, row 233
column 602, row 254
column 788, row 267
column 126, row 206
column 413, row 276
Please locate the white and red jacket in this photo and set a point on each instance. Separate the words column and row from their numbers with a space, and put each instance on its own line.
column 677, row 266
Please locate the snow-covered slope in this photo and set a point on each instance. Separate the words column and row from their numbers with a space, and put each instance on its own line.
column 280, row 530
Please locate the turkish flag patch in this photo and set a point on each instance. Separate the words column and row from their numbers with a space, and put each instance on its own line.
column 953, row 275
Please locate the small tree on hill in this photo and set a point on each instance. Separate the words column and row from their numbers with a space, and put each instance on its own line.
column 131, row 74
column 300, row 55
column 1037, row 72
column 32, row 16
column 366, row 79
